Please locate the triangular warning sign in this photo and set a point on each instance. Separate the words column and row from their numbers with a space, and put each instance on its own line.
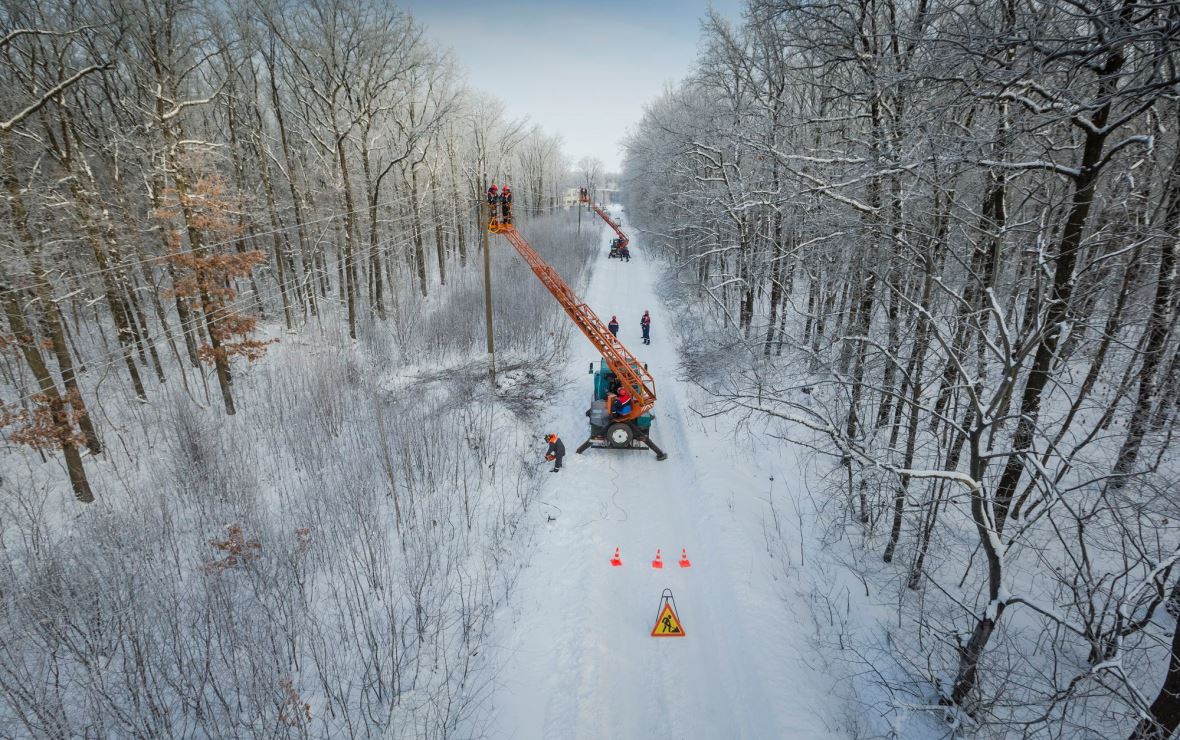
column 667, row 624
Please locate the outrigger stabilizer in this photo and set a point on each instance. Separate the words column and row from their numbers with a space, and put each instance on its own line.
column 635, row 443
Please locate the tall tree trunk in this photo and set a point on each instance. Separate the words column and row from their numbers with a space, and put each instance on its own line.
column 48, row 388
column 1157, row 331
column 419, row 251
column 778, row 257
column 146, row 272
column 372, row 189
column 286, row 274
column 892, row 347
column 196, row 238
column 119, row 312
column 188, row 323
column 174, row 160
column 439, row 244
column 916, row 366
column 970, row 652
column 1060, row 291
column 990, row 528
column 51, row 319
column 348, row 260
column 1163, row 717
column 460, row 211
column 310, row 261
column 72, row 157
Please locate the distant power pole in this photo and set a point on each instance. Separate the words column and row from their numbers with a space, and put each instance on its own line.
column 484, row 217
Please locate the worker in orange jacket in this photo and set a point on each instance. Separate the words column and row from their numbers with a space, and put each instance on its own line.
column 622, row 403
column 555, row 452
column 494, row 204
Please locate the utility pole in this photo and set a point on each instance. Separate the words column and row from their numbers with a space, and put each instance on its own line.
column 484, row 218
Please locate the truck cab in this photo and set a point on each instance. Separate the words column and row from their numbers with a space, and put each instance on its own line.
column 615, row 433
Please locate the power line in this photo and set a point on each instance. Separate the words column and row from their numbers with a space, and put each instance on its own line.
column 127, row 264
column 226, row 311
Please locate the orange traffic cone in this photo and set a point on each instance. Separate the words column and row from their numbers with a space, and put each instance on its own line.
column 658, row 562
column 684, row 562
column 616, row 560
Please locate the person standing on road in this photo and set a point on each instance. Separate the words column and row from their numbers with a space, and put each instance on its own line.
column 614, row 327
column 556, row 451
column 645, row 325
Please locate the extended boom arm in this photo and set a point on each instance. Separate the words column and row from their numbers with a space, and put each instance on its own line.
column 623, row 240
column 619, row 359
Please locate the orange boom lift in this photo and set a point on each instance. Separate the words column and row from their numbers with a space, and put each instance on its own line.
column 622, row 241
column 619, row 367
column 616, row 244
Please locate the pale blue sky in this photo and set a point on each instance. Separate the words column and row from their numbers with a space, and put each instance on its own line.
column 580, row 69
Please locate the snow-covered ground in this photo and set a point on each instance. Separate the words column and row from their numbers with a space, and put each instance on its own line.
column 573, row 652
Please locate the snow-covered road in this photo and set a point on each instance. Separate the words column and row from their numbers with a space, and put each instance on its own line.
column 576, row 659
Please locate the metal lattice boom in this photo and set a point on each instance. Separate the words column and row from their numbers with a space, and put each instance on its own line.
column 626, row 367
column 623, row 240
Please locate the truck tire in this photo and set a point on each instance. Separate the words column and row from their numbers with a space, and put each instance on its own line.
column 619, row 435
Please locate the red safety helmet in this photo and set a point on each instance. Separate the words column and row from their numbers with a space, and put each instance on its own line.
column 550, row 438
column 624, row 394
column 493, row 189
column 507, row 189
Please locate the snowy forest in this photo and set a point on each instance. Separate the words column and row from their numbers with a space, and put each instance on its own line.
column 935, row 242
column 257, row 482
column 233, row 235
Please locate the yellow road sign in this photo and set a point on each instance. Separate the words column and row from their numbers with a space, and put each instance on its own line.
column 667, row 624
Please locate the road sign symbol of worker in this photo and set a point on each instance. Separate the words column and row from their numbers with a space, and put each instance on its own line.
column 667, row 623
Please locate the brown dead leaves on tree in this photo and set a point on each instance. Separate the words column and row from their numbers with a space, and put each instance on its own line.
column 294, row 712
column 302, row 541
column 236, row 547
column 45, row 425
column 204, row 277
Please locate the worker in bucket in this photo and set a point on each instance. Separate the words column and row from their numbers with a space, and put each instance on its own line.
column 622, row 403
column 556, row 451
column 494, row 204
column 645, row 326
column 614, row 327
column 506, row 203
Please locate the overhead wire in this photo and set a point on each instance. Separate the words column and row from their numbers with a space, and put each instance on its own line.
column 126, row 264
column 122, row 265
column 225, row 311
